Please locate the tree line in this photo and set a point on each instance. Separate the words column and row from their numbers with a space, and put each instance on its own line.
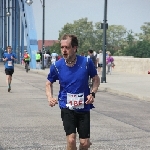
column 120, row 41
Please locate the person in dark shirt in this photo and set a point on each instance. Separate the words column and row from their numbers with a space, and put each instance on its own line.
column 40, row 52
column 92, row 57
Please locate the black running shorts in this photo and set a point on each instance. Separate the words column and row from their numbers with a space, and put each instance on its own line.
column 73, row 120
column 27, row 61
column 9, row 71
column 38, row 60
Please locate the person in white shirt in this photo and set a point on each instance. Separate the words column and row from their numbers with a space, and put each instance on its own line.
column 54, row 57
column 46, row 56
column 100, row 61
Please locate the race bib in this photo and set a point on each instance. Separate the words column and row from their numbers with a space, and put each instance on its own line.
column 9, row 63
column 75, row 101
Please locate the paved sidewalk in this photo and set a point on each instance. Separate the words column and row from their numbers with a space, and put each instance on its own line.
column 131, row 85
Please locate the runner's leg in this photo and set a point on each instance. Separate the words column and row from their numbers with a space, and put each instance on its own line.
column 9, row 82
column 84, row 130
column 69, row 123
column 71, row 142
column 84, row 144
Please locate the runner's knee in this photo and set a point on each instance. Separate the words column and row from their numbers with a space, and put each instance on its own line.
column 71, row 140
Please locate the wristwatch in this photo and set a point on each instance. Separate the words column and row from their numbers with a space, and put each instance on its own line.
column 93, row 94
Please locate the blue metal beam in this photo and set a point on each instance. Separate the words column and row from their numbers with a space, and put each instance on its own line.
column 17, row 30
column 8, row 23
column 13, row 26
column 22, row 39
column 5, row 26
column 30, row 31
column 1, row 29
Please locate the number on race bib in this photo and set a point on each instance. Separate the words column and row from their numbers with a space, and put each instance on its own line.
column 75, row 103
column 9, row 63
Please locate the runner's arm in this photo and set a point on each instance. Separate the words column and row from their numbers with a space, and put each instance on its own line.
column 49, row 89
column 5, row 59
column 13, row 58
column 49, row 93
column 96, row 83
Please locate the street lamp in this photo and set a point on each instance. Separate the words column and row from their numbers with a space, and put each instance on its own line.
column 104, row 26
column 8, row 14
column 29, row 2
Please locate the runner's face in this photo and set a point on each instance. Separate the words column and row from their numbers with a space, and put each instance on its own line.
column 67, row 50
column 9, row 49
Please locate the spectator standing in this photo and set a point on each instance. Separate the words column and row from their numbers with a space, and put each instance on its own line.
column 38, row 59
column 95, row 53
column 100, row 61
column 109, row 62
column 40, row 52
column 46, row 57
column 92, row 57
column 54, row 56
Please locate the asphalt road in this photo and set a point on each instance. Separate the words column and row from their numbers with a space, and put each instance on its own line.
column 28, row 123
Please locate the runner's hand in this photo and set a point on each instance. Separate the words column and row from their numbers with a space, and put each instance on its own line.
column 52, row 101
column 6, row 59
column 12, row 57
column 90, row 99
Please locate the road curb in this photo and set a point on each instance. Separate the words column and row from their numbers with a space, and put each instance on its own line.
column 32, row 70
column 121, row 93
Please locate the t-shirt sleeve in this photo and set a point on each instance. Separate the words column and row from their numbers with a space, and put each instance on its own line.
column 91, row 69
column 53, row 75
column 4, row 56
column 14, row 55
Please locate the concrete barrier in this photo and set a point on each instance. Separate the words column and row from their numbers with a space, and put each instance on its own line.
column 131, row 64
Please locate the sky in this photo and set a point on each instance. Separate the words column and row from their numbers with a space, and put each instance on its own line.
column 130, row 13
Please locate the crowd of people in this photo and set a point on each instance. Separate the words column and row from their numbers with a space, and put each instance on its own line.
column 97, row 59
column 48, row 58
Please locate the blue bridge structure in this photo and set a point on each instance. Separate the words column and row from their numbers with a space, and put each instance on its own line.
column 17, row 29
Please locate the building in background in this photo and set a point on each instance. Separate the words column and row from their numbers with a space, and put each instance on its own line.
column 46, row 43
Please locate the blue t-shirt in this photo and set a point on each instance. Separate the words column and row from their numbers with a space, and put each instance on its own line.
column 10, row 62
column 73, row 80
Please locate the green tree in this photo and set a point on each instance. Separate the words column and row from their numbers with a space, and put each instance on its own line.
column 54, row 48
column 84, row 31
column 145, row 35
column 90, row 36
column 141, row 49
column 115, row 38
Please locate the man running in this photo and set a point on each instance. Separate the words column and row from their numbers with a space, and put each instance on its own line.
column 75, row 97
column 26, row 58
column 9, row 59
